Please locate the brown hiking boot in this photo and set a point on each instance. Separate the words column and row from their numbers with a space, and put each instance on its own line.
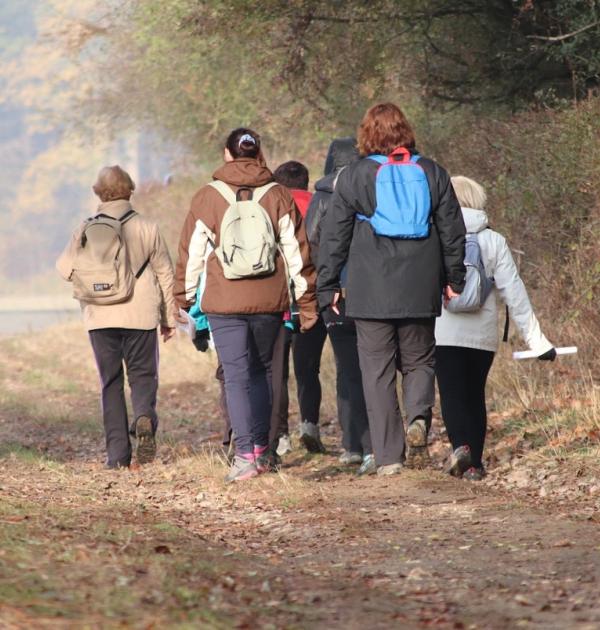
column 460, row 461
column 416, row 440
column 145, row 449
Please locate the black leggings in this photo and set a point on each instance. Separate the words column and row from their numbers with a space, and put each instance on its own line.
column 307, row 349
column 461, row 375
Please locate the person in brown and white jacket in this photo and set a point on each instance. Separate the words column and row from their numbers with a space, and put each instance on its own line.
column 126, row 332
column 245, row 314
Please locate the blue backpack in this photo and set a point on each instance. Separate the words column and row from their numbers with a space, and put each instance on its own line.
column 403, row 200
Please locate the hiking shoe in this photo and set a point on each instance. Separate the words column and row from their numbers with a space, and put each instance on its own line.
column 242, row 468
column 310, row 436
column 389, row 469
column 284, row 446
column 416, row 434
column 460, row 461
column 368, row 466
column 145, row 449
column 417, row 455
column 474, row 474
column 348, row 457
column 266, row 459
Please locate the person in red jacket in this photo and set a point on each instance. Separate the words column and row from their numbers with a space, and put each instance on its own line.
column 306, row 348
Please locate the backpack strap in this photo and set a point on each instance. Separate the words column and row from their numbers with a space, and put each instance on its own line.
column 142, row 268
column 127, row 216
column 380, row 159
column 260, row 192
column 506, row 324
column 224, row 190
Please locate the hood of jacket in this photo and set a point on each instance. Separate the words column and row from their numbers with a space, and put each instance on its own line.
column 244, row 172
column 342, row 152
column 325, row 184
column 475, row 220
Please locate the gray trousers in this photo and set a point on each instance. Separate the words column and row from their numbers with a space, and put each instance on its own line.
column 138, row 350
column 383, row 347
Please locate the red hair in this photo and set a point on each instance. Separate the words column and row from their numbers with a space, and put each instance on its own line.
column 384, row 128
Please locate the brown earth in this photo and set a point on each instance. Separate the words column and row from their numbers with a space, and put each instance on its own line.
column 169, row 545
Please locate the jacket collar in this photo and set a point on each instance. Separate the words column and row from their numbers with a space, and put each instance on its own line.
column 115, row 209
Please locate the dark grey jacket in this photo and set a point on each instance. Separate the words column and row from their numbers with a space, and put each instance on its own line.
column 342, row 151
column 389, row 278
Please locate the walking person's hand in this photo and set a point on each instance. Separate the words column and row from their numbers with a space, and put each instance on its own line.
column 179, row 317
column 166, row 333
column 449, row 293
column 548, row 356
column 334, row 303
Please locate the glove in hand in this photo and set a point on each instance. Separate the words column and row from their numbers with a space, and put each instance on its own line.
column 201, row 340
column 548, row 356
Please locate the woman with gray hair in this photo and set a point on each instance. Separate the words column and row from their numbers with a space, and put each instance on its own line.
column 467, row 341
column 123, row 277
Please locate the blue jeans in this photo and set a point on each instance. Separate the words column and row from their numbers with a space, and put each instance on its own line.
column 245, row 347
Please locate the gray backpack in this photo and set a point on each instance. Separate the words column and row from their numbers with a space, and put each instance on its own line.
column 101, row 269
column 477, row 285
column 247, row 245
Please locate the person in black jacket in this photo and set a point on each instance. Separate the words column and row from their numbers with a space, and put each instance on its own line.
column 351, row 406
column 394, row 286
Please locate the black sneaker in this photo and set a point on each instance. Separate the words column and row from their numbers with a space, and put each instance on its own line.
column 145, row 449
column 460, row 461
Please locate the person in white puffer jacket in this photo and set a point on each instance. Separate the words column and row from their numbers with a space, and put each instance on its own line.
column 466, row 342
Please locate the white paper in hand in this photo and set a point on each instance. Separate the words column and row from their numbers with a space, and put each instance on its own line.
column 189, row 328
column 529, row 354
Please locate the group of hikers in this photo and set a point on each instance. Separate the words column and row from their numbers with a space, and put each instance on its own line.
column 391, row 258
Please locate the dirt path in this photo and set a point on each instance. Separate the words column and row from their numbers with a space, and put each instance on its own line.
column 312, row 547
column 169, row 546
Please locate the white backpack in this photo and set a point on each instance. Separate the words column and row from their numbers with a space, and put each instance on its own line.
column 247, row 245
column 101, row 269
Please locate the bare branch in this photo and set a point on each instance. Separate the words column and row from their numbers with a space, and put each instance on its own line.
column 560, row 38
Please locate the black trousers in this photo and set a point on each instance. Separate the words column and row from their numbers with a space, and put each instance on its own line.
column 383, row 347
column 351, row 405
column 138, row 350
column 307, row 349
column 461, row 375
column 281, row 373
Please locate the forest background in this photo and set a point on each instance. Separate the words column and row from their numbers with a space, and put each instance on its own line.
column 504, row 91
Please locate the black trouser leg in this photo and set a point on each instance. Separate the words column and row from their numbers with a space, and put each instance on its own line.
column 140, row 352
column 107, row 344
column 306, row 351
column 352, row 409
column 377, row 348
column 461, row 375
column 416, row 362
column 280, row 370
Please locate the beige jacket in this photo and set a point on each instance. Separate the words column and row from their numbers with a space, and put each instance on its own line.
column 152, row 301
